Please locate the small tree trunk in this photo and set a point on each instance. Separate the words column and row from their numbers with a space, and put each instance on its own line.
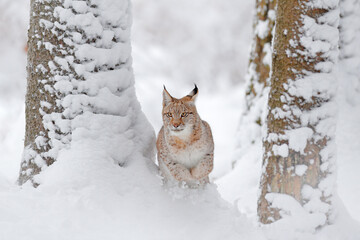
column 349, row 32
column 257, row 79
column 299, row 158
column 260, row 56
column 349, row 50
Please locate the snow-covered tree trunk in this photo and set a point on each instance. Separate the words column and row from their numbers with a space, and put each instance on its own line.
column 349, row 28
column 260, row 56
column 80, row 83
column 257, row 78
column 299, row 148
column 350, row 50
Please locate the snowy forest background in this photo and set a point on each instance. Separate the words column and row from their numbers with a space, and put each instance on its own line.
column 176, row 43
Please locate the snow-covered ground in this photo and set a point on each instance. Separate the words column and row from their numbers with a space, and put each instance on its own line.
column 85, row 197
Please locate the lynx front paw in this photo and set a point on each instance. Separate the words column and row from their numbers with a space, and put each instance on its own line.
column 182, row 175
column 197, row 173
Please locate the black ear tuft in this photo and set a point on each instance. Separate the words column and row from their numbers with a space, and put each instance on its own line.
column 167, row 98
column 194, row 92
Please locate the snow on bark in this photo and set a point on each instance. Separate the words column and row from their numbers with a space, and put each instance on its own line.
column 257, row 78
column 350, row 50
column 299, row 148
column 246, row 158
column 82, row 91
column 260, row 56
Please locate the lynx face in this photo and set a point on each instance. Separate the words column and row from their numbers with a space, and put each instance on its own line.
column 179, row 115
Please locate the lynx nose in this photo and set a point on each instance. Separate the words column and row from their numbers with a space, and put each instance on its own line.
column 176, row 125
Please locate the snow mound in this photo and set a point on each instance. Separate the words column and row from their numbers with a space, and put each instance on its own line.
column 85, row 195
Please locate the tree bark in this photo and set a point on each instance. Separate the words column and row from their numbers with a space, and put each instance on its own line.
column 349, row 56
column 43, row 47
column 299, row 145
column 260, row 56
column 79, row 78
column 349, row 32
column 257, row 79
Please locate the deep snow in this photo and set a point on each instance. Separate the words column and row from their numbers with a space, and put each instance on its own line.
column 85, row 197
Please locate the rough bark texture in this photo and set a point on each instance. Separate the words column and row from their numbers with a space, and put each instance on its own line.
column 350, row 50
column 39, row 100
column 349, row 29
column 79, row 78
column 257, row 80
column 259, row 68
column 292, row 63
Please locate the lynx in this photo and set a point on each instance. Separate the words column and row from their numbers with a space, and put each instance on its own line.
column 185, row 144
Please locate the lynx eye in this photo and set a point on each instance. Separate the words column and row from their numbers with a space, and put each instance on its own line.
column 169, row 115
column 184, row 114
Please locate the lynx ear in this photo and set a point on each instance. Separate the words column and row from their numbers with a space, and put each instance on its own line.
column 167, row 98
column 193, row 93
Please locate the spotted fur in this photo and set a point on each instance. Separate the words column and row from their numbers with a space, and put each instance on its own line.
column 185, row 144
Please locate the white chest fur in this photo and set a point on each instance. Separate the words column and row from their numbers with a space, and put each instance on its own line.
column 192, row 154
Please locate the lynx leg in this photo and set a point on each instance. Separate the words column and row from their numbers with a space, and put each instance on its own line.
column 204, row 167
column 175, row 170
